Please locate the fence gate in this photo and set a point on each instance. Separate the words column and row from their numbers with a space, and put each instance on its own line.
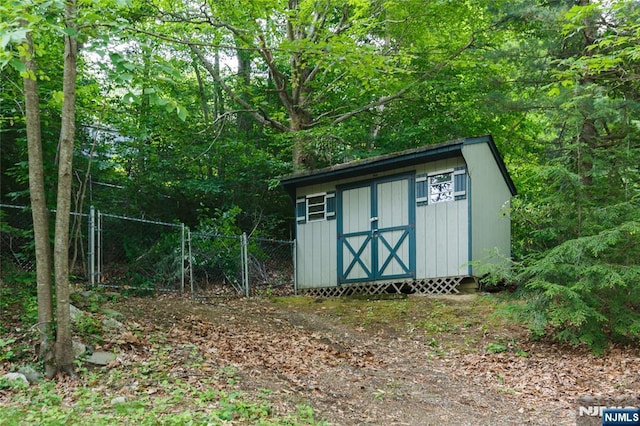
column 170, row 257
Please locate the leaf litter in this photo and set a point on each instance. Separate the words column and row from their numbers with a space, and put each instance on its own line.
column 354, row 373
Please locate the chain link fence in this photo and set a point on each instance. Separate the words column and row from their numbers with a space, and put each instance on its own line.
column 271, row 266
column 17, row 248
column 132, row 254
column 216, row 264
column 16, row 240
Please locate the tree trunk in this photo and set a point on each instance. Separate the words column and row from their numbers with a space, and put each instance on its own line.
column 218, row 99
column 303, row 157
column 64, row 347
column 204, row 102
column 38, row 205
column 588, row 136
column 245, row 119
column 299, row 157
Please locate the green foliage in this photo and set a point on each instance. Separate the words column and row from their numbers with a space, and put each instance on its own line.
column 306, row 415
column 6, row 351
column 29, row 309
column 17, row 260
column 496, row 348
column 41, row 403
column 584, row 290
column 18, row 298
column 216, row 246
column 88, row 326
column 17, row 385
column 90, row 300
column 575, row 219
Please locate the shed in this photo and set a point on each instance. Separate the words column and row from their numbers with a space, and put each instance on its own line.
column 416, row 221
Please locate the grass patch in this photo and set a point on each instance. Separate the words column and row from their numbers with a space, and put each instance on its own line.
column 459, row 323
column 124, row 396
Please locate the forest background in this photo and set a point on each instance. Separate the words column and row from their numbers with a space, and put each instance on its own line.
column 190, row 111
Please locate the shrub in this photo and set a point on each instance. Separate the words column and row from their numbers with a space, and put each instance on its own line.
column 584, row 290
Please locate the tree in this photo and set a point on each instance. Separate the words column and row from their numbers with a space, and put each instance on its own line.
column 61, row 354
column 326, row 62
column 63, row 347
column 581, row 270
column 38, row 199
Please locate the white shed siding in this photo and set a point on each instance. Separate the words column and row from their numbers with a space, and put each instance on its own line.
column 489, row 205
column 442, row 243
column 316, row 247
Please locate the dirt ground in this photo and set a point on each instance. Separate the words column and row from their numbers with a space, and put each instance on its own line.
column 355, row 368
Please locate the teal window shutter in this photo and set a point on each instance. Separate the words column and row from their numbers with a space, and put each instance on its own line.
column 301, row 210
column 460, row 183
column 331, row 205
column 422, row 190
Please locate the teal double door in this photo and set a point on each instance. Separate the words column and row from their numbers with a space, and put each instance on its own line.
column 376, row 229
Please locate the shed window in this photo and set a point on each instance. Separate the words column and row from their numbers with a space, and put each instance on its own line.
column 316, row 207
column 441, row 187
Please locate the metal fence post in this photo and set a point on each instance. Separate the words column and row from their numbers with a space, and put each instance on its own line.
column 92, row 246
column 98, row 274
column 182, row 257
column 245, row 263
column 242, row 274
column 294, row 256
column 190, row 261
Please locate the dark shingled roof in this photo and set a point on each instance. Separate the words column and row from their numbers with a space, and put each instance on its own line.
column 393, row 161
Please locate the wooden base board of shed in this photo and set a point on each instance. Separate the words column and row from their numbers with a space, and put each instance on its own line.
column 443, row 285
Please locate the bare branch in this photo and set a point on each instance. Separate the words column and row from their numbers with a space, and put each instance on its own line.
column 278, row 77
column 261, row 116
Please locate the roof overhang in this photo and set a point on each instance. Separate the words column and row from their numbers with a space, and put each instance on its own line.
column 392, row 161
